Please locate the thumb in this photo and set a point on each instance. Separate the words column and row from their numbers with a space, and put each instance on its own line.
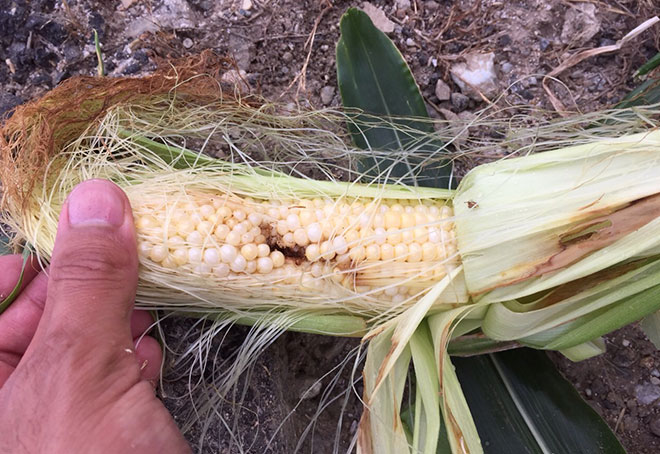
column 93, row 270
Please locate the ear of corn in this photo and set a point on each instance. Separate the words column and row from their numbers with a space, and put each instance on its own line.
column 265, row 240
column 546, row 250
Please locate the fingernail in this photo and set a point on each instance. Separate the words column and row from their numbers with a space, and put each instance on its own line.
column 96, row 202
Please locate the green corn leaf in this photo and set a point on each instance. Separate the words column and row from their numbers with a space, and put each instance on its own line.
column 649, row 66
column 646, row 94
column 374, row 78
column 612, row 318
column 427, row 401
column 651, row 327
column 5, row 303
column 521, row 404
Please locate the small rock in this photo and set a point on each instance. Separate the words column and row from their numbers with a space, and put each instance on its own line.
column 410, row 42
column 402, row 4
column 655, row 381
column 442, row 90
column 71, row 52
column 327, row 94
column 506, row 67
column 544, row 43
column 287, row 57
column 647, row 394
column 171, row 14
column 431, row 5
column 624, row 357
column 598, row 387
column 625, row 343
column 580, row 24
column 504, row 40
column 531, row 81
column 615, row 398
column 654, row 426
column 630, row 423
column 246, row 5
column 476, row 75
column 241, row 50
column 648, row 362
column 588, row 392
column 7, row 103
column 39, row 77
column 449, row 115
column 655, row 373
column 459, row 101
column 236, row 79
column 378, row 17
column 467, row 116
column 132, row 67
column 187, row 43
column 459, row 133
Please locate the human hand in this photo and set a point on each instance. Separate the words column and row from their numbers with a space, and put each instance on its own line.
column 72, row 378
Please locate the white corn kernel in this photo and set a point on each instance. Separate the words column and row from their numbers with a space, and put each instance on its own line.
column 222, row 270
column 238, row 264
column 194, row 255
column 263, row 250
column 212, row 256
column 228, row 253
column 249, row 251
column 264, row 265
column 278, row 258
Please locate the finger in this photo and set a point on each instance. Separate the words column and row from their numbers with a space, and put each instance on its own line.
column 149, row 356
column 141, row 322
column 11, row 266
column 93, row 270
column 19, row 323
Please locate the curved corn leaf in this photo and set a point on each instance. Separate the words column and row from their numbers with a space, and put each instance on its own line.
column 426, row 432
column 646, row 94
column 605, row 321
column 6, row 302
column 381, row 430
column 521, row 404
column 649, row 66
column 373, row 77
column 651, row 327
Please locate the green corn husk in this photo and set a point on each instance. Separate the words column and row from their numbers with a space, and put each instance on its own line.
column 556, row 249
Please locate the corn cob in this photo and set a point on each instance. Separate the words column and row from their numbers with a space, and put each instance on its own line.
column 396, row 249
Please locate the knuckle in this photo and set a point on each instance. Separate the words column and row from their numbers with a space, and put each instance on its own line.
column 94, row 262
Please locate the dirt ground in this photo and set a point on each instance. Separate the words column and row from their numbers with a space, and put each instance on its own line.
column 285, row 50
